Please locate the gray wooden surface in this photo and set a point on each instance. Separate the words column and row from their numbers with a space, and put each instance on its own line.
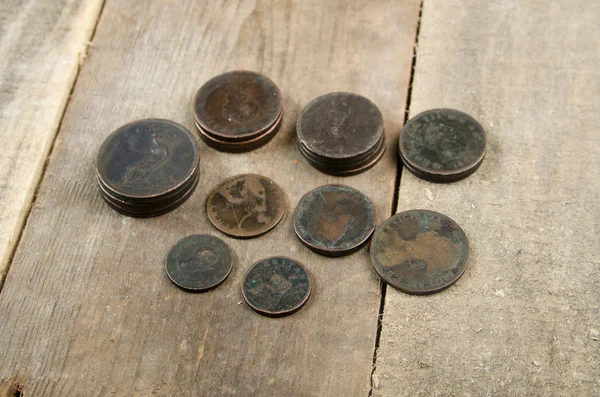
column 86, row 308
column 41, row 45
column 525, row 317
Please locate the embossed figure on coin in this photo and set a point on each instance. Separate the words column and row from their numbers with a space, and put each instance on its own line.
column 334, row 220
column 420, row 251
column 246, row 205
column 152, row 157
column 276, row 286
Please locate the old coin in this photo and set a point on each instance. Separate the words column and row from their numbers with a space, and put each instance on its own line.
column 341, row 133
column 334, row 220
column 420, row 251
column 246, row 205
column 276, row 286
column 442, row 145
column 198, row 262
column 237, row 106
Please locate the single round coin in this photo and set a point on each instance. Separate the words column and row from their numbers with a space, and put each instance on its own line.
column 420, row 251
column 237, row 105
column 246, row 205
column 340, row 126
column 334, row 220
column 276, row 286
column 198, row 262
column 442, row 145
column 146, row 159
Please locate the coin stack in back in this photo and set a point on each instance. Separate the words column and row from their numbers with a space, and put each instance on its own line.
column 238, row 111
column 147, row 167
column 341, row 133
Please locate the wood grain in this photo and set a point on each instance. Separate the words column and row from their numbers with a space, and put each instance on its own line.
column 524, row 318
column 87, row 309
column 41, row 45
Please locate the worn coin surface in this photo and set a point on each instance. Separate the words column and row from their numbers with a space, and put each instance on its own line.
column 442, row 145
column 147, row 159
column 420, row 251
column 246, row 205
column 276, row 286
column 340, row 125
column 199, row 262
column 237, row 105
column 334, row 220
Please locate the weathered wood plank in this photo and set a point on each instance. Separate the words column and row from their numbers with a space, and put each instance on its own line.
column 87, row 308
column 41, row 45
column 524, row 319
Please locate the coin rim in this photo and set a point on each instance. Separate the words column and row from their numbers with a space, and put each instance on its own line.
column 243, row 136
column 335, row 252
column 210, row 213
column 283, row 312
column 405, row 290
column 199, row 289
column 444, row 176
column 158, row 120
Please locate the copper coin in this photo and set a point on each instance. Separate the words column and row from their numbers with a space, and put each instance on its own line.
column 237, row 105
column 242, row 146
column 276, row 286
column 147, row 159
column 334, row 220
column 198, row 262
column 246, row 205
column 442, row 145
column 420, row 251
column 340, row 126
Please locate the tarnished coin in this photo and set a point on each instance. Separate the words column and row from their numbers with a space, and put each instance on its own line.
column 237, row 105
column 334, row 220
column 199, row 262
column 442, row 145
column 147, row 159
column 246, row 205
column 276, row 286
column 420, row 251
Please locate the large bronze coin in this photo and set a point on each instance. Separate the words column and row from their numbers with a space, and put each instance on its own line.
column 340, row 126
column 246, row 205
column 276, row 286
column 237, row 105
column 420, row 251
column 334, row 220
column 198, row 262
column 442, row 145
column 147, row 159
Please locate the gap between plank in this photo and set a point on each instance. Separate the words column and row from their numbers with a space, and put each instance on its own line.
column 80, row 62
column 396, row 194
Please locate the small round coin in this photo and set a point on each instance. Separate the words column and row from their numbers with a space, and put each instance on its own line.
column 442, row 145
column 146, row 159
column 246, row 205
column 420, row 251
column 334, row 220
column 198, row 262
column 237, row 105
column 276, row 286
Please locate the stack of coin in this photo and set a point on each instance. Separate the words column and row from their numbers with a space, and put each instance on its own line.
column 341, row 134
column 238, row 111
column 147, row 167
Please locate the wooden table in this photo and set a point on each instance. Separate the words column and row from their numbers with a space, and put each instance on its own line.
column 85, row 306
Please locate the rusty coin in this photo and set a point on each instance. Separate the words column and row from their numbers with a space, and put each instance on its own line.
column 147, row 158
column 237, row 106
column 198, row 262
column 276, row 286
column 246, row 205
column 420, row 251
column 442, row 145
column 334, row 220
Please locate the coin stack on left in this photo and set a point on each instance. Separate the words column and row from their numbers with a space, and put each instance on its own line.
column 147, row 167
